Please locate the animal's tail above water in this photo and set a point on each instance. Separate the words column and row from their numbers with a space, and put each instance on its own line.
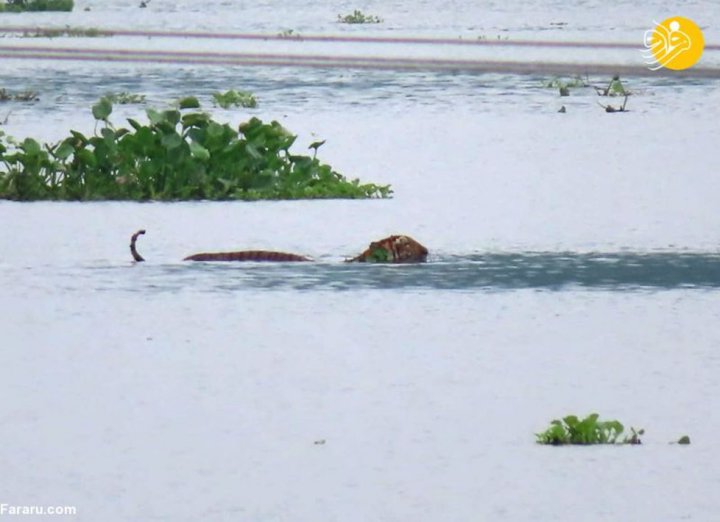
column 133, row 250
column 241, row 255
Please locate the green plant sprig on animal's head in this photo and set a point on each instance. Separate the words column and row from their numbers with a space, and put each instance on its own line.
column 358, row 17
column 177, row 155
column 590, row 430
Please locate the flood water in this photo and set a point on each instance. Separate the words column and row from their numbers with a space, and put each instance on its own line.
column 574, row 268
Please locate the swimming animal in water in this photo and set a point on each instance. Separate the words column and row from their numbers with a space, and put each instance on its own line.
column 392, row 249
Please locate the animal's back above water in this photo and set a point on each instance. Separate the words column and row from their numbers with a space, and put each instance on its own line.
column 247, row 255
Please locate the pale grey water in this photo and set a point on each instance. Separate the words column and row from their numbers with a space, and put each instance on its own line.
column 574, row 268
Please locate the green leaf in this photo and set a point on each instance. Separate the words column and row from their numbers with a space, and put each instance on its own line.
column 198, row 151
column 102, row 109
column 135, row 124
column 253, row 151
column 64, row 150
column 108, row 135
column 79, row 137
column 154, row 116
column 571, row 420
column 31, row 147
column 87, row 157
column 195, row 119
column 172, row 117
column 171, row 141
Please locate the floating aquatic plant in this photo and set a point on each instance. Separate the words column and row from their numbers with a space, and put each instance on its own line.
column 614, row 88
column 572, row 83
column 358, row 17
column 177, row 155
column 125, row 98
column 234, row 98
column 590, row 430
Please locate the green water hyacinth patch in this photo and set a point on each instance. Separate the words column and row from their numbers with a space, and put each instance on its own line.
column 590, row 430
column 180, row 154
column 234, row 98
column 36, row 5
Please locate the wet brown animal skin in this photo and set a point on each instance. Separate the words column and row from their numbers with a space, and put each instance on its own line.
column 247, row 255
column 393, row 249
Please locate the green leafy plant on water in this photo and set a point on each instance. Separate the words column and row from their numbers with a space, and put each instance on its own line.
column 177, row 155
column 125, row 98
column 23, row 96
column 590, row 430
column 234, row 98
column 17, row 6
column 571, row 83
column 358, row 17
column 564, row 86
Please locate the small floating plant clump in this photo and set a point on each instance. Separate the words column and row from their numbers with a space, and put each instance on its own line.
column 576, row 81
column 590, row 430
column 125, row 98
column 18, row 6
column 234, row 98
column 564, row 86
column 358, row 17
column 177, row 155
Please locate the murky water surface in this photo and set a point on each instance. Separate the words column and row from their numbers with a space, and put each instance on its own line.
column 574, row 268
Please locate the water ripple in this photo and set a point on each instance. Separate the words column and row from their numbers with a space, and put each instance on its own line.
column 490, row 271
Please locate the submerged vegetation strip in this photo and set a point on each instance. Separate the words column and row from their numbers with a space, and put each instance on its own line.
column 73, row 32
column 17, row 6
column 179, row 154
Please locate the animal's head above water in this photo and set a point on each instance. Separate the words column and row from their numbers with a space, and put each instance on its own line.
column 393, row 249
